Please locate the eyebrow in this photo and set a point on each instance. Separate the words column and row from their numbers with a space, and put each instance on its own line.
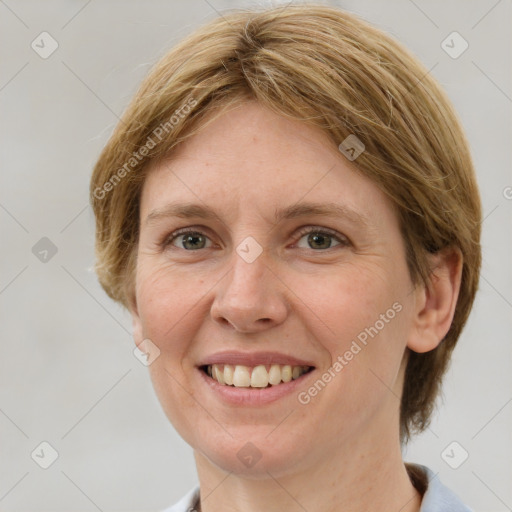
column 192, row 210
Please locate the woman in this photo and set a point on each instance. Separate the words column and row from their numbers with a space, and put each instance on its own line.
column 290, row 213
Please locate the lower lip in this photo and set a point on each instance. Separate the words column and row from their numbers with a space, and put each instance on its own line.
column 254, row 396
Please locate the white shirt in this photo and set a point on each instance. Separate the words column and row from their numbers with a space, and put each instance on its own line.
column 437, row 497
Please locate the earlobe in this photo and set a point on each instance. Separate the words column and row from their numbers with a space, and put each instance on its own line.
column 136, row 322
column 435, row 304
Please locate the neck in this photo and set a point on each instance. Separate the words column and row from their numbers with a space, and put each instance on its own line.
column 348, row 478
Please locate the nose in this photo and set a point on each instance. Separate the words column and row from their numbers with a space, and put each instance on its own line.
column 250, row 298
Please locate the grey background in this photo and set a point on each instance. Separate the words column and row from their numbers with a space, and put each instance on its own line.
column 67, row 372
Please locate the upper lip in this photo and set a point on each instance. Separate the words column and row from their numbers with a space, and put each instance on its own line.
column 253, row 359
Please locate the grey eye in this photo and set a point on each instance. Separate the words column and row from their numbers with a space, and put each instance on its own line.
column 318, row 240
column 190, row 241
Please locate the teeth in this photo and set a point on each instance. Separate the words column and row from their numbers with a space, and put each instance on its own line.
column 228, row 374
column 218, row 375
column 259, row 376
column 286, row 373
column 274, row 374
column 241, row 377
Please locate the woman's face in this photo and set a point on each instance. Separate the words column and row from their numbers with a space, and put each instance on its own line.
column 261, row 245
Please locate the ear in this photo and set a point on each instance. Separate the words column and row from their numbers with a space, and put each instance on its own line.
column 136, row 321
column 435, row 304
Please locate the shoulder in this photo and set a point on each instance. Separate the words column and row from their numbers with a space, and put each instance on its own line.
column 437, row 497
column 187, row 503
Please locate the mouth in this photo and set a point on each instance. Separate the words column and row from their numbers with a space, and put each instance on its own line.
column 258, row 376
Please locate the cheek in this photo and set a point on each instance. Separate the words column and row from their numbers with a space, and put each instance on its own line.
column 363, row 349
column 169, row 313
column 168, row 305
column 346, row 300
column 363, row 319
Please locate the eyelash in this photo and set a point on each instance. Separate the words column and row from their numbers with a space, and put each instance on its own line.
column 344, row 241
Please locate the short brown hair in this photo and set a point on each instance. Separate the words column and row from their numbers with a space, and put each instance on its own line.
column 332, row 70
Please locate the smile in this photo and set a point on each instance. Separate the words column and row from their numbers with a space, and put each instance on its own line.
column 259, row 376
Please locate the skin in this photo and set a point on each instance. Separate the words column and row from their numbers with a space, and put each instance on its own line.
column 341, row 451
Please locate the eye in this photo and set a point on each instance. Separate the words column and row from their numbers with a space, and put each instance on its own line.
column 188, row 240
column 315, row 238
column 321, row 238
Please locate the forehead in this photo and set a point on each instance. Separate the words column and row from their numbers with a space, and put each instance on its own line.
column 250, row 158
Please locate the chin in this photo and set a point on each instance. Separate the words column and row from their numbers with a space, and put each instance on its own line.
column 254, row 453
